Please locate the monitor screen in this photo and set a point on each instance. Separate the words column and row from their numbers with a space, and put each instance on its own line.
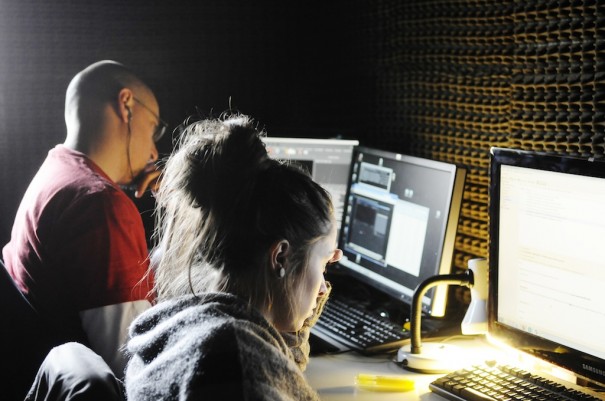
column 327, row 160
column 400, row 222
column 547, row 270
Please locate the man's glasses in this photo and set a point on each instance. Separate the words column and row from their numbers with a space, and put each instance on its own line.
column 160, row 129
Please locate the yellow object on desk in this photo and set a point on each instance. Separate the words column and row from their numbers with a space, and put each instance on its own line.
column 383, row 382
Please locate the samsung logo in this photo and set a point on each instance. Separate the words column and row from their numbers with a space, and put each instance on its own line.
column 594, row 370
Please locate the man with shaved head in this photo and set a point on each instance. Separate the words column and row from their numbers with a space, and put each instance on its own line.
column 78, row 249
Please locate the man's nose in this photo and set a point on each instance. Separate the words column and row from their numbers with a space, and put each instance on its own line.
column 154, row 154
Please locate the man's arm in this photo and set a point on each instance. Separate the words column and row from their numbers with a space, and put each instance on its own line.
column 110, row 276
column 107, row 331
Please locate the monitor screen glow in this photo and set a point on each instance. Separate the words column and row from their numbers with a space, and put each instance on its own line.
column 400, row 222
column 547, row 271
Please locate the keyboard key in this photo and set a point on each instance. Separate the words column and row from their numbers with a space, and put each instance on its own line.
column 473, row 395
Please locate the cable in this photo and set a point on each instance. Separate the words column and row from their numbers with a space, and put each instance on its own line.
column 128, row 153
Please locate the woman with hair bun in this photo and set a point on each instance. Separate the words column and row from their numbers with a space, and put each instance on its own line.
column 245, row 240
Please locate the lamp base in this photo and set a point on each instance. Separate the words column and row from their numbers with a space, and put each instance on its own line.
column 434, row 358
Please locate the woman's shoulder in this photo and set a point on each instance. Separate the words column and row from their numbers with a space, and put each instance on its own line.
column 210, row 314
column 224, row 346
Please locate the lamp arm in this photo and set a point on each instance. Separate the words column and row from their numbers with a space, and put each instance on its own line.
column 466, row 280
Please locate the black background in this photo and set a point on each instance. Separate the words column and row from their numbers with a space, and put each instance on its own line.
column 287, row 64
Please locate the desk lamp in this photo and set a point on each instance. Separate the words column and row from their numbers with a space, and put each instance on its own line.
column 475, row 320
column 440, row 357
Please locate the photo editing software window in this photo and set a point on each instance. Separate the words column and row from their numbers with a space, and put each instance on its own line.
column 327, row 160
column 551, row 264
column 379, row 215
column 400, row 223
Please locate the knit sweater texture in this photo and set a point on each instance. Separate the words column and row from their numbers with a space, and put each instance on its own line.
column 214, row 347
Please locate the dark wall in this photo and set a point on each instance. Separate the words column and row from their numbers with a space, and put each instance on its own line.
column 286, row 65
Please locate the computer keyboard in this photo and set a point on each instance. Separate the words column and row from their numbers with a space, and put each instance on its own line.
column 351, row 325
column 482, row 382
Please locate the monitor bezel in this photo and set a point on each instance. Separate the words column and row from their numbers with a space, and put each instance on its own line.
column 578, row 362
column 271, row 140
column 435, row 301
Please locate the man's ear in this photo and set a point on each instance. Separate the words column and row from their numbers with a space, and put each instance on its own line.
column 125, row 103
column 278, row 254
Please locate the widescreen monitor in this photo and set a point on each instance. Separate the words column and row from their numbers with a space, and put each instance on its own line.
column 400, row 223
column 547, row 270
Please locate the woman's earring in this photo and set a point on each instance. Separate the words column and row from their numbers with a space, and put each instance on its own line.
column 282, row 272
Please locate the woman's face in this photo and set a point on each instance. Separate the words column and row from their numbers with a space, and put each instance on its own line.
column 322, row 253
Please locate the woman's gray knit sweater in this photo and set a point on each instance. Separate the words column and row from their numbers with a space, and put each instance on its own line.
column 211, row 347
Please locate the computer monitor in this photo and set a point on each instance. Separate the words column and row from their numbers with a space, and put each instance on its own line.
column 546, row 260
column 327, row 160
column 400, row 223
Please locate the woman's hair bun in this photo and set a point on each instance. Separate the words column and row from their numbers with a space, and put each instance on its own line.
column 225, row 155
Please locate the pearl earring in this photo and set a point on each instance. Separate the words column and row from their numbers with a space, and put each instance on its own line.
column 282, row 272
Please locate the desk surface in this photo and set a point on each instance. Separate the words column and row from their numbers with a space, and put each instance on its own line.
column 333, row 376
